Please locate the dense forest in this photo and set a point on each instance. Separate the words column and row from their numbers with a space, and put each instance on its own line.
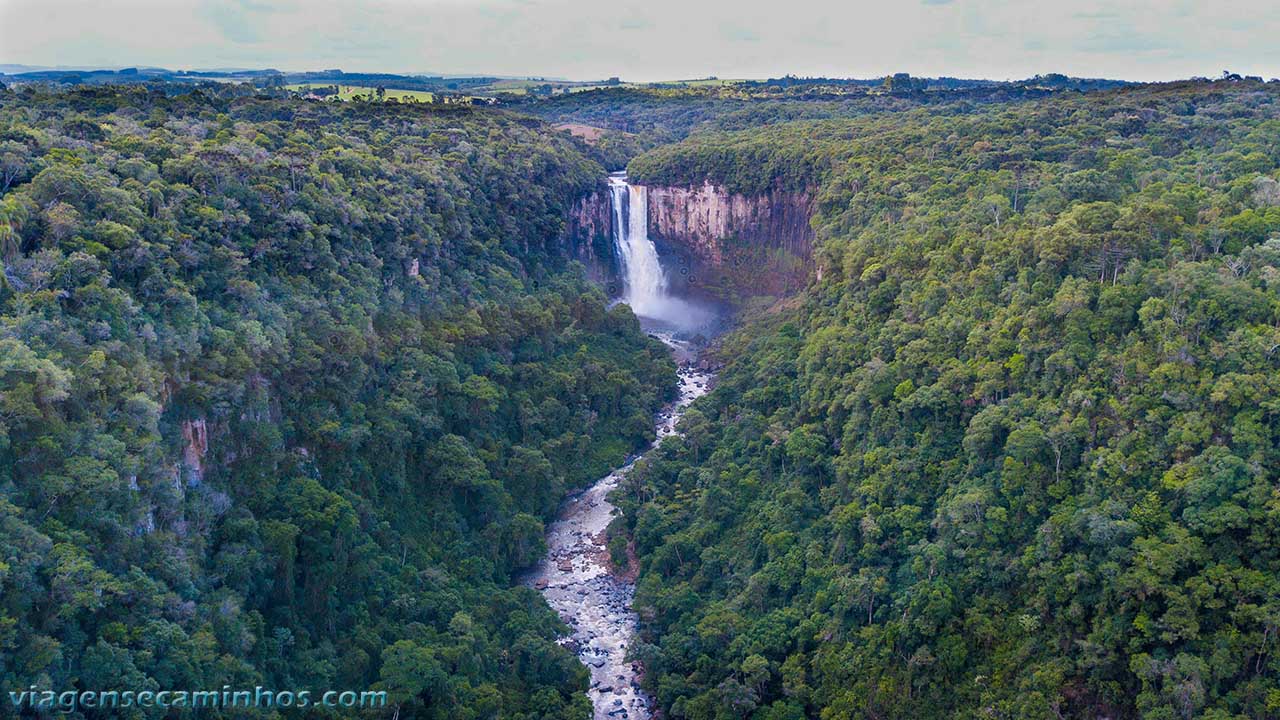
column 1014, row 452
column 287, row 391
column 644, row 118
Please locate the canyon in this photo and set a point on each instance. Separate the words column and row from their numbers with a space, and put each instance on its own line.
column 717, row 245
column 581, row 584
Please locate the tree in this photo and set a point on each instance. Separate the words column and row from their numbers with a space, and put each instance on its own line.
column 14, row 160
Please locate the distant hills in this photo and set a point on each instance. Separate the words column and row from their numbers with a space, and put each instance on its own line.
column 336, row 82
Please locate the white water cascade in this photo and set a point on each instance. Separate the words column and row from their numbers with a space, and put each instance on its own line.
column 646, row 283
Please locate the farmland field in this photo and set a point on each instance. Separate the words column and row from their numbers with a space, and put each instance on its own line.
column 347, row 92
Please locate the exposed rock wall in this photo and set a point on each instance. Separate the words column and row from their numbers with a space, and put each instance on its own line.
column 733, row 246
column 195, row 433
column 588, row 236
column 712, row 243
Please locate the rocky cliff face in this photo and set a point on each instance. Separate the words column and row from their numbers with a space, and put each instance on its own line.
column 733, row 246
column 713, row 243
column 588, row 236
column 195, row 435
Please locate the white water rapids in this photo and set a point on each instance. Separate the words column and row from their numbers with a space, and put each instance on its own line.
column 576, row 580
column 575, row 576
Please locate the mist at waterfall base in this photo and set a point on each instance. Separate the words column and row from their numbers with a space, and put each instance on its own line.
column 645, row 285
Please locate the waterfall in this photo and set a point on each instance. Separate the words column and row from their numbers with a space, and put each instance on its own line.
column 645, row 283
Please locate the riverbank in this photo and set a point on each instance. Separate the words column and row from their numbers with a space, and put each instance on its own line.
column 579, row 582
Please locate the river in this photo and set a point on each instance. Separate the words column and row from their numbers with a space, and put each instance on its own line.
column 576, row 578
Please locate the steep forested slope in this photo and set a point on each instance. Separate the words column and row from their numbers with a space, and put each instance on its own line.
column 1015, row 454
column 636, row 119
column 640, row 119
column 286, row 391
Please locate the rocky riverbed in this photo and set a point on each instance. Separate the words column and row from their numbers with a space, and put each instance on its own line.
column 577, row 581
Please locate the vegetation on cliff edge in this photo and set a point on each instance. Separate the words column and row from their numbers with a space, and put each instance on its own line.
column 1014, row 455
column 287, row 390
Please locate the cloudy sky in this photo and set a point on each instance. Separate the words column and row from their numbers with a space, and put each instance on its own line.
column 657, row 39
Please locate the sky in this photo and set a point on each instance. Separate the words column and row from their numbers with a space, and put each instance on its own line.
column 657, row 39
